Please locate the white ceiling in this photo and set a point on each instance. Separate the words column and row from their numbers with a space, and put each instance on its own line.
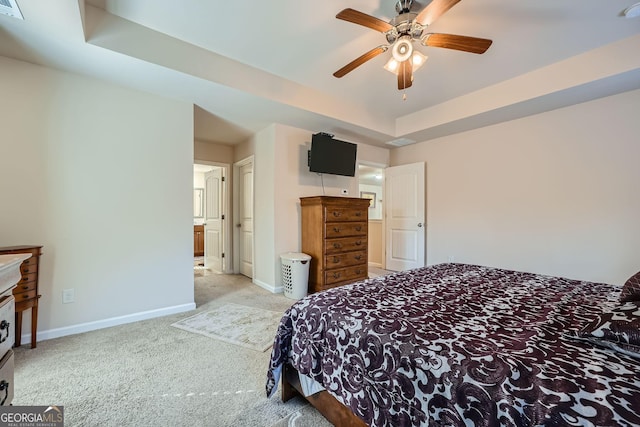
column 248, row 64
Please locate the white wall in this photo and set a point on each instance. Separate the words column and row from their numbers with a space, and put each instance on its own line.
column 264, row 207
column 556, row 193
column 101, row 176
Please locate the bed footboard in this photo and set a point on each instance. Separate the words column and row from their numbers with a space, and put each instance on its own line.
column 334, row 411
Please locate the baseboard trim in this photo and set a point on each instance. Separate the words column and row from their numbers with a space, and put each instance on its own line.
column 106, row 323
column 375, row 264
column 272, row 289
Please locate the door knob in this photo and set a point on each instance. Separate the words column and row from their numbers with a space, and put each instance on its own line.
column 238, row 225
column 419, row 224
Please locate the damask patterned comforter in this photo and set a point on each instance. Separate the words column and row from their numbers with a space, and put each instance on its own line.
column 457, row 344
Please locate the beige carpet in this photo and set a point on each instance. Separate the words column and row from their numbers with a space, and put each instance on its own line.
column 149, row 373
column 249, row 327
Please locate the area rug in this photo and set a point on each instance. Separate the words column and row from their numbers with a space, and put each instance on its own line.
column 307, row 416
column 249, row 327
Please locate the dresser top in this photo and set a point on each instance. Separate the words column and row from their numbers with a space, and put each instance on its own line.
column 333, row 200
column 10, row 260
column 10, row 270
column 18, row 248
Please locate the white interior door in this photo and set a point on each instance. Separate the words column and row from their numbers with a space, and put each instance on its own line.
column 405, row 216
column 213, row 220
column 245, row 222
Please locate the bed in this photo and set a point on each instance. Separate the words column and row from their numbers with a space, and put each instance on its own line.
column 458, row 344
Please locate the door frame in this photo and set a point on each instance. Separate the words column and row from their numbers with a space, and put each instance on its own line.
column 384, row 234
column 226, row 202
column 236, row 213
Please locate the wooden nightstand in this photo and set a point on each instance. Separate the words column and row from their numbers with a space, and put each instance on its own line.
column 26, row 291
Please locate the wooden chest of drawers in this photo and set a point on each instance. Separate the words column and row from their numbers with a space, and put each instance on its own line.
column 334, row 233
column 26, row 291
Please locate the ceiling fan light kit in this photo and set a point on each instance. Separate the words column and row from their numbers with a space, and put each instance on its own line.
column 632, row 11
column 402, row 49
column 402, row 31
column 417, row 60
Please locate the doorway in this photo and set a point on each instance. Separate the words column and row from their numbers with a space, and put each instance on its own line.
column 210, row 216
column 371, row 186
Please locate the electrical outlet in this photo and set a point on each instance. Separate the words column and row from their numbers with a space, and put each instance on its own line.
column 345, row 191
column 68, row 296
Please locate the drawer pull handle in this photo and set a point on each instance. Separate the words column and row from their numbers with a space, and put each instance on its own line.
column 25, row 287
column 359, row 242
column 359, row 228
column 336, row 229
column 26, row 269
column 358, row 271
column 337, row 214
column 25, row 296
column 358, row 213
column 337, row 245
column 4, row 385
column 358, row 257
column 336, row 259
column 336, row 275
column 4, row 325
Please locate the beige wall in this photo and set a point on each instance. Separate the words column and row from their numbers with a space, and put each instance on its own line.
column 89, row 171
column 281, row 178
column 556, row 193
column 375, row 253
column 212, row 152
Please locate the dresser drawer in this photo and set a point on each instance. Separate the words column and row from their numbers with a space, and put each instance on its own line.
column 24, row 296
column 30, row 265
column 345, row 259
column 6, row 379
column 345, row 244
column 345, row 214
column 7, row 310
column 353, row 273
column 344, row 229
column 31, row 277
column 24, row 287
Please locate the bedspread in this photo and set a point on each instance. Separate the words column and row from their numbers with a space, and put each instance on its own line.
column 458, row 344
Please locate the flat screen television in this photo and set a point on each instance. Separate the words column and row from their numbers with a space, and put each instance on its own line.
column 332, row 156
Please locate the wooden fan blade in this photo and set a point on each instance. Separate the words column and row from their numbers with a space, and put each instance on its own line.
column 360, row 60
column 452, row 41
column 365, row 20
column 405, row 74
column 434, row 10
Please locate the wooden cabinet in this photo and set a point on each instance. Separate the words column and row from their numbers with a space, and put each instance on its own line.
column 198, row 240
column 334, row 233
column 9, row 276
column 26, row 292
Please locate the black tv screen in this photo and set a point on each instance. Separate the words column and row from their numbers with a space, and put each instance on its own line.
column 332, row 156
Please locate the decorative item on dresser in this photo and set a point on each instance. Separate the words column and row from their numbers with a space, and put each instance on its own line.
column 9, row 276
column 26, row 291
column 198, row 240
column 334, row 233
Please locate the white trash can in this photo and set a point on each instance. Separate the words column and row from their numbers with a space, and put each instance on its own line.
column 295, row 274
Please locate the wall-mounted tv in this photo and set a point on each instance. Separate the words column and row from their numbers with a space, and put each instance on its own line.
column 332, row 156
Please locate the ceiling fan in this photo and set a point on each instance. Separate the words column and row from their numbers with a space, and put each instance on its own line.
column 405, row 29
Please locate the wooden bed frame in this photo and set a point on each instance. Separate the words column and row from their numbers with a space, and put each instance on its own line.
column 325, row 403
